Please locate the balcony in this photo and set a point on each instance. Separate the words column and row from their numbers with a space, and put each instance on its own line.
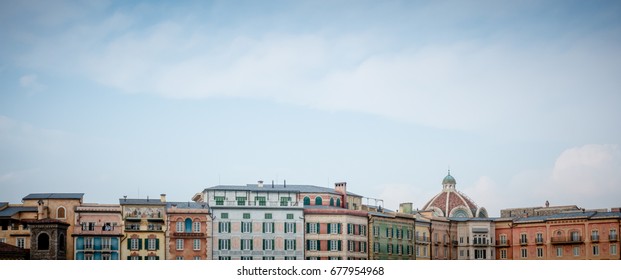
column 422, row 239
column 230, row 203
column 523, row 241
column 503, row 243
column 594, row 238
column 189, row 234
column 612, row 237
column 539, row 241
column 566, row 240
column 480, row 244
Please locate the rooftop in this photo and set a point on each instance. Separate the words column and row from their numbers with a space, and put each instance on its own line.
column 12, row 210
column 53, row 196
column 278, row 188
column 148, row 201
column 187, row 205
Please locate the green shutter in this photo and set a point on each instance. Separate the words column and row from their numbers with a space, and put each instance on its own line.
column 295, row 242
column 273, row 227
column 129, row 244
column 157, row 244
column 128, row 257
column 157, row 257
column 263, row 229
column 318, row 245
column 307, row 227
column 263, row 244
column 307, row 245
column 219, row 244
column 294, row 226
column 329, row 229
column 251, row 244
column 219, row 227
column 339, row 225
column 229, row 226
column 139, row 244
column 339, row 245
column 251, row 226
column 318, row 228
column 140, row 257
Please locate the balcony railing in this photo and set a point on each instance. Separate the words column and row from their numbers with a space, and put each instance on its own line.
column 503, row 243
column 566, row 239
column 256, row 203
column 594, row 238
column 523, row 241
column 612, row 237
column 539, row 240
column 189, row 234
column 421, row 239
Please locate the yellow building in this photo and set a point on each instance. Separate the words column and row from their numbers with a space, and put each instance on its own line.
column 144, row 229
column 422, row 237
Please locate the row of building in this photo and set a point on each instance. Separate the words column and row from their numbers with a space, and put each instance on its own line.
column 295, row 222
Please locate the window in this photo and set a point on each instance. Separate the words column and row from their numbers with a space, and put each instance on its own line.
column 290, row 228
column 224, row 215
column 3, row 240
column 503, row 254
column 539, row 238
column 503, row 239
column 219, row 200
column 246, row 227
column 88, row 243
column 338, row 202
column 389, row 247
column 539, row 252
column 43, row 241
column 151, row 258
column 576, row 250
column 197, row 258
column 179, row 226
column 106, row 257
column 331, row 201
column 524, row 253
column 418, row 251
column 179, row 258
column 594, row 235
column 312, row 245
column 559, row 251
column 134, row 258
column 288, row 258
column 480, row 254
column 289, row 216
column 179, row 244
column 351, row 246
column 268, row 216
column 289, row 244
column 284, row 201
column 575, row 236
column 376, row 231
column 134, row 244
column 260, row 200
column 523, row 239
column 223, row 258
column 196, row 244
column 152, row 244
column 224, row 227
column 334, row 258
column 424, row 251
column 376, row 247
column 224, row 244
column 88, row 226
column 246, row 244
column 268, row 258
column 241, row 201
column 61, row 213
column 363, row 247
column 246, row 215
column 350, row 229
column 268, row 244
column 306, row 200
column 312, row 227
column 613, row 234
column 399, row 249
column 334, row 228
column 613, row 249
column 595, row 250
column 246, row 258
column 334, row 245
column 268, row 227
column 197, row 226
column 88, row 257
column 151, row 226
column 106, row 243
column 318, row 200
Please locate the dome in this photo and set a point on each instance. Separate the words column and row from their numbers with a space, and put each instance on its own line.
column 452, row 203
column 449, row 180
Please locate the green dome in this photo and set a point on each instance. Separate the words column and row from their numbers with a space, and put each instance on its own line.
column 449, row 180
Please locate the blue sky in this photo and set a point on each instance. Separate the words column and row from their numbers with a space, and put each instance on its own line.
column 134, row 98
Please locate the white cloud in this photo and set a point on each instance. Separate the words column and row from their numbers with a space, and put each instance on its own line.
column 30, row 82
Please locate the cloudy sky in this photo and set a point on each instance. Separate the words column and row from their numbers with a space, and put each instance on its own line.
column 520, row 98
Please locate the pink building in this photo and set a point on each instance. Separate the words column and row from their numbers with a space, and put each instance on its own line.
column 189, row 231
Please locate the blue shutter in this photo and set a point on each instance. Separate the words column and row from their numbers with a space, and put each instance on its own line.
column 114, row 243
column 79, row 243
column 97, row 243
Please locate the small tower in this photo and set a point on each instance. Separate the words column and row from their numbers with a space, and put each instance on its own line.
column 48, row 239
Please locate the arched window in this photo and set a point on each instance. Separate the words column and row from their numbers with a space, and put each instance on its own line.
column 61, row 213
column 460, row 213
column 332, row 201
column 338, row 202
column 318, row 200
column 61, row 242
column 188, row 225
column 306, row 200
column 43, row 241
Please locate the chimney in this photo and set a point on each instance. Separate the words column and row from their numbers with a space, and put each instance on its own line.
column 272, row 184
column 260, row 185
column 124, row 198
column 405, row 207
column 341, row 188
column 285, row 184
column 163, row 197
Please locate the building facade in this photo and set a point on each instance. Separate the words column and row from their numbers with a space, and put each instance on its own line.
column 256, row 222
column 391, row 236
column 333, row 233
column 475, row 238
column 144, row 224
column 189, row 234
column 99, row 232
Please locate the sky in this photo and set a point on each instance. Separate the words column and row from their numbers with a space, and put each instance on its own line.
column 520, row 99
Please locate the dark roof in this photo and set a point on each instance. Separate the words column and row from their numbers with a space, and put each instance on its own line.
column 8, row 248
column 188, row 205
column 278, row 188
column 10, row 211
column 130, row 201
column 3, row 204
column 53, row 196
column 570, row 215
column 463, row 219
column 48, row 221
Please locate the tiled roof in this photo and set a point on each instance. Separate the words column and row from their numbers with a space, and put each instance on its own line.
column 3, row 204
column 278, row 188
column 187, row 205
column 53, row 196
column 10, row 211
column 130, row 201
column 8, row 248
column 570, row 215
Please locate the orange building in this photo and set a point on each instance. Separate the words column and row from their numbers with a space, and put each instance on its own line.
column 589, row 235
column 189, row 231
